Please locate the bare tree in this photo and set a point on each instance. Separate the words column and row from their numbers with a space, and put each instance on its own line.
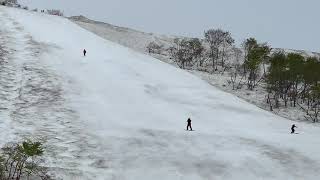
column 154, row 48
column 9, row 2
column 55, row 12
column 228, row 41
column 236, row 67
column 238, row 56
column 196, row 49
column 186, row 52
column 217, row 38
column 179, row 53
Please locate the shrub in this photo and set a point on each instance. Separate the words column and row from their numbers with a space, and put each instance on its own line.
column 154, row 48
column 55, row 12
column 21, row 160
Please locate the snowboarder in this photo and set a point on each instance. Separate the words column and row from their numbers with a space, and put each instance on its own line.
column 189, row 124
column 84, row 52
column 292, row 128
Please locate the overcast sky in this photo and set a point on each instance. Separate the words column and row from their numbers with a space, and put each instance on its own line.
column 282, row 23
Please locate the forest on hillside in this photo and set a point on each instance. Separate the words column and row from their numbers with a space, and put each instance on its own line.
column 288, row 78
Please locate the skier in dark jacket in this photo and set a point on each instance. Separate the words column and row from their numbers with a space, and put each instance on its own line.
column 292, row 128
column 189, row 124
column 84, row 52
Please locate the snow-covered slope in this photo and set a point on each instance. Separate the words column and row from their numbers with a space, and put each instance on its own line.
column 118, row 114
column 138, row 40
column 131, row 38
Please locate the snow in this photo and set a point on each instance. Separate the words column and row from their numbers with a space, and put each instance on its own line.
column 119, row 114
column 125, row 36
column 139, row 40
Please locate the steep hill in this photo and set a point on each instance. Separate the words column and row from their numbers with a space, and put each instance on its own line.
column 131, row 38
column 138, row 41
column 119, row 114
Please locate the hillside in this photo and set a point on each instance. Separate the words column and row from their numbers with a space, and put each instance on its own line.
column 138, row 41
column 121, row 114
column 131, row 38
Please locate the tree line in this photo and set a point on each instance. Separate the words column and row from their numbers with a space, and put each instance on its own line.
column 289, row 79
column 295, row 80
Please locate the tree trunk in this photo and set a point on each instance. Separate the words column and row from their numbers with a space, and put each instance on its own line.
column 222, row 58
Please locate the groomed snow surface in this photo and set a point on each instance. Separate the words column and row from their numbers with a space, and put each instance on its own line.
column 117, row 114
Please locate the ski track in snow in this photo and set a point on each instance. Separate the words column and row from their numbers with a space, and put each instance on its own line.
column 34, row 103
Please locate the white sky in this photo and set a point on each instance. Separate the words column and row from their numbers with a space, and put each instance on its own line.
column 282, row 23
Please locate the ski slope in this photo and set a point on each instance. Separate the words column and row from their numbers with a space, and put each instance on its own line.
column 117, row 114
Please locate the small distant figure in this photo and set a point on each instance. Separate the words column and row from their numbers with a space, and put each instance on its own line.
column 189, row 124
column 84, row 52
column 292, row 129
